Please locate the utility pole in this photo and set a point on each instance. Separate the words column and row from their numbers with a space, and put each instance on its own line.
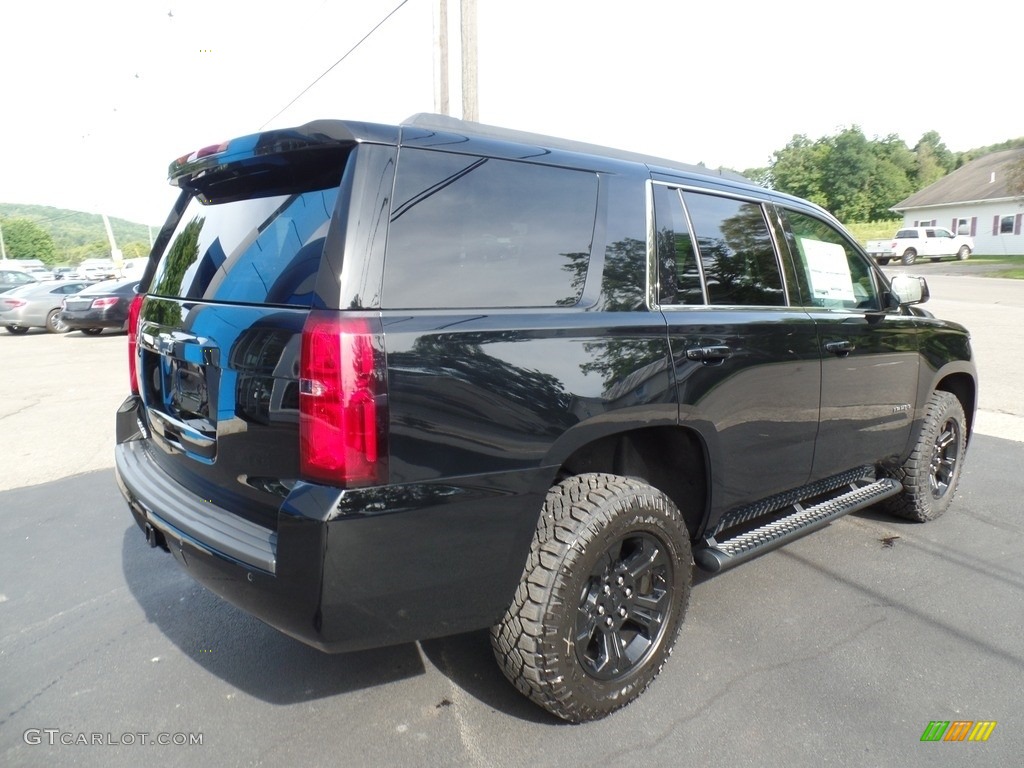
column 467, row 60
column 470, row 102
column 441, row 104
column 115, row 252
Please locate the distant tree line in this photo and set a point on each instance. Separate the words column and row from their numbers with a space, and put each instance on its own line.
column 59, row 236
column 860, row 179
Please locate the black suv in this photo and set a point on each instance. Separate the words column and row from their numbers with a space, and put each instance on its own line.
column 398, row 382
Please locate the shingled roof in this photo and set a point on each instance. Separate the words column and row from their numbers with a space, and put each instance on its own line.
column 986, row 178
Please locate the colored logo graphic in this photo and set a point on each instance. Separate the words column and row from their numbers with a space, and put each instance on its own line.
column 958, row 730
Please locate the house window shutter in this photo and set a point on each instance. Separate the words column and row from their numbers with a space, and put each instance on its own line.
column 995, row 225
column 1016, row 224
column 953, row 227
column 915, row 222
column 974, row 225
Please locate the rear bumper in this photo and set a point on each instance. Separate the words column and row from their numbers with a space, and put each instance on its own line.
column 89, row 319
column 344, row 570
column 237, row 559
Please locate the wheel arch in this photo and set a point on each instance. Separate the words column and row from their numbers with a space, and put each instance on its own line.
column 963, row 386
column 671, row 458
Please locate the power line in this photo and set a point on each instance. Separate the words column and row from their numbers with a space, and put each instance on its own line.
column 347, row 54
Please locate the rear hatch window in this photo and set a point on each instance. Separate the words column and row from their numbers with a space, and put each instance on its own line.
column 220, row 330
column 264, row 250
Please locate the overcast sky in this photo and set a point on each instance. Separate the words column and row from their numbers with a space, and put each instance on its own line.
column 97, row 98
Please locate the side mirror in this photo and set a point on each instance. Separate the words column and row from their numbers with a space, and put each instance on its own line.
column 909, row 290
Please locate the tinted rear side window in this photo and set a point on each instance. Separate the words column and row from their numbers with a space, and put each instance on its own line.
column 471, row 231
column 736, row 251
column 261, row 250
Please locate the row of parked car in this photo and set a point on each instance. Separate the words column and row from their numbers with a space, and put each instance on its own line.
column 65, row 305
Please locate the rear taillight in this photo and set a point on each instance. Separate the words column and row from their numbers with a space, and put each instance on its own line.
column 106, row 301
column 133, row 341
column 343, row 400
column 14, row 303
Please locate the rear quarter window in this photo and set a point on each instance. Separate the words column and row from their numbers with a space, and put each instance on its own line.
column 470, row 231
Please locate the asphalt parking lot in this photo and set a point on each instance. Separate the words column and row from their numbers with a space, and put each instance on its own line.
column 838, row 649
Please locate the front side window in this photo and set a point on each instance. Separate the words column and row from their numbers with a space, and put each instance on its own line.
column 470, row 231
column 832, row 273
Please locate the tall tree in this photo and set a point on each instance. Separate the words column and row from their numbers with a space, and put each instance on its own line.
column 933, row 160
column 24, row 239
column 797, row 169
column 931, row 143
column 847, row 176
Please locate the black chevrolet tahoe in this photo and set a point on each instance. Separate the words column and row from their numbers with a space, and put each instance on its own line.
column 391, row 383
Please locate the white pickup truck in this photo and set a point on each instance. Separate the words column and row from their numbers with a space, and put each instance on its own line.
column 926, row 242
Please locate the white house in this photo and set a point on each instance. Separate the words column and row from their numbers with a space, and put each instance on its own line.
column 974, row 199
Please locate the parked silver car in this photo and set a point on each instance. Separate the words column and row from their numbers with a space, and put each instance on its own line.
column 37, row 305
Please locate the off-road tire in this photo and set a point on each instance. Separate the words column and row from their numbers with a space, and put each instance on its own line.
column 909, row 256
column 964, row 253
column 601, row 600
column 931, row 474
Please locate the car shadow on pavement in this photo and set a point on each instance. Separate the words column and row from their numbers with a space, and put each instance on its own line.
column 268, row 665
column 243, row 651
column 468, row 662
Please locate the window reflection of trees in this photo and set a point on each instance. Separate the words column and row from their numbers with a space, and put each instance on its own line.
column 182, row 254
column 739, row 259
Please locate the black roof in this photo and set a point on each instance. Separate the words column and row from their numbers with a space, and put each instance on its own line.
column 430, row 121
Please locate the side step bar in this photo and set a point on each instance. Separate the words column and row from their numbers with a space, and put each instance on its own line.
column 717, row 555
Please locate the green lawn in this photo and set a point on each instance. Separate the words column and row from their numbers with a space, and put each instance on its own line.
column 1012, row 274
column 873, row 230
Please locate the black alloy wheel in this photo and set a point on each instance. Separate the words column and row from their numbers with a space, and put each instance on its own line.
column 932, row 471
column 945, row 463
column 624, row 606
column 601, row 599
